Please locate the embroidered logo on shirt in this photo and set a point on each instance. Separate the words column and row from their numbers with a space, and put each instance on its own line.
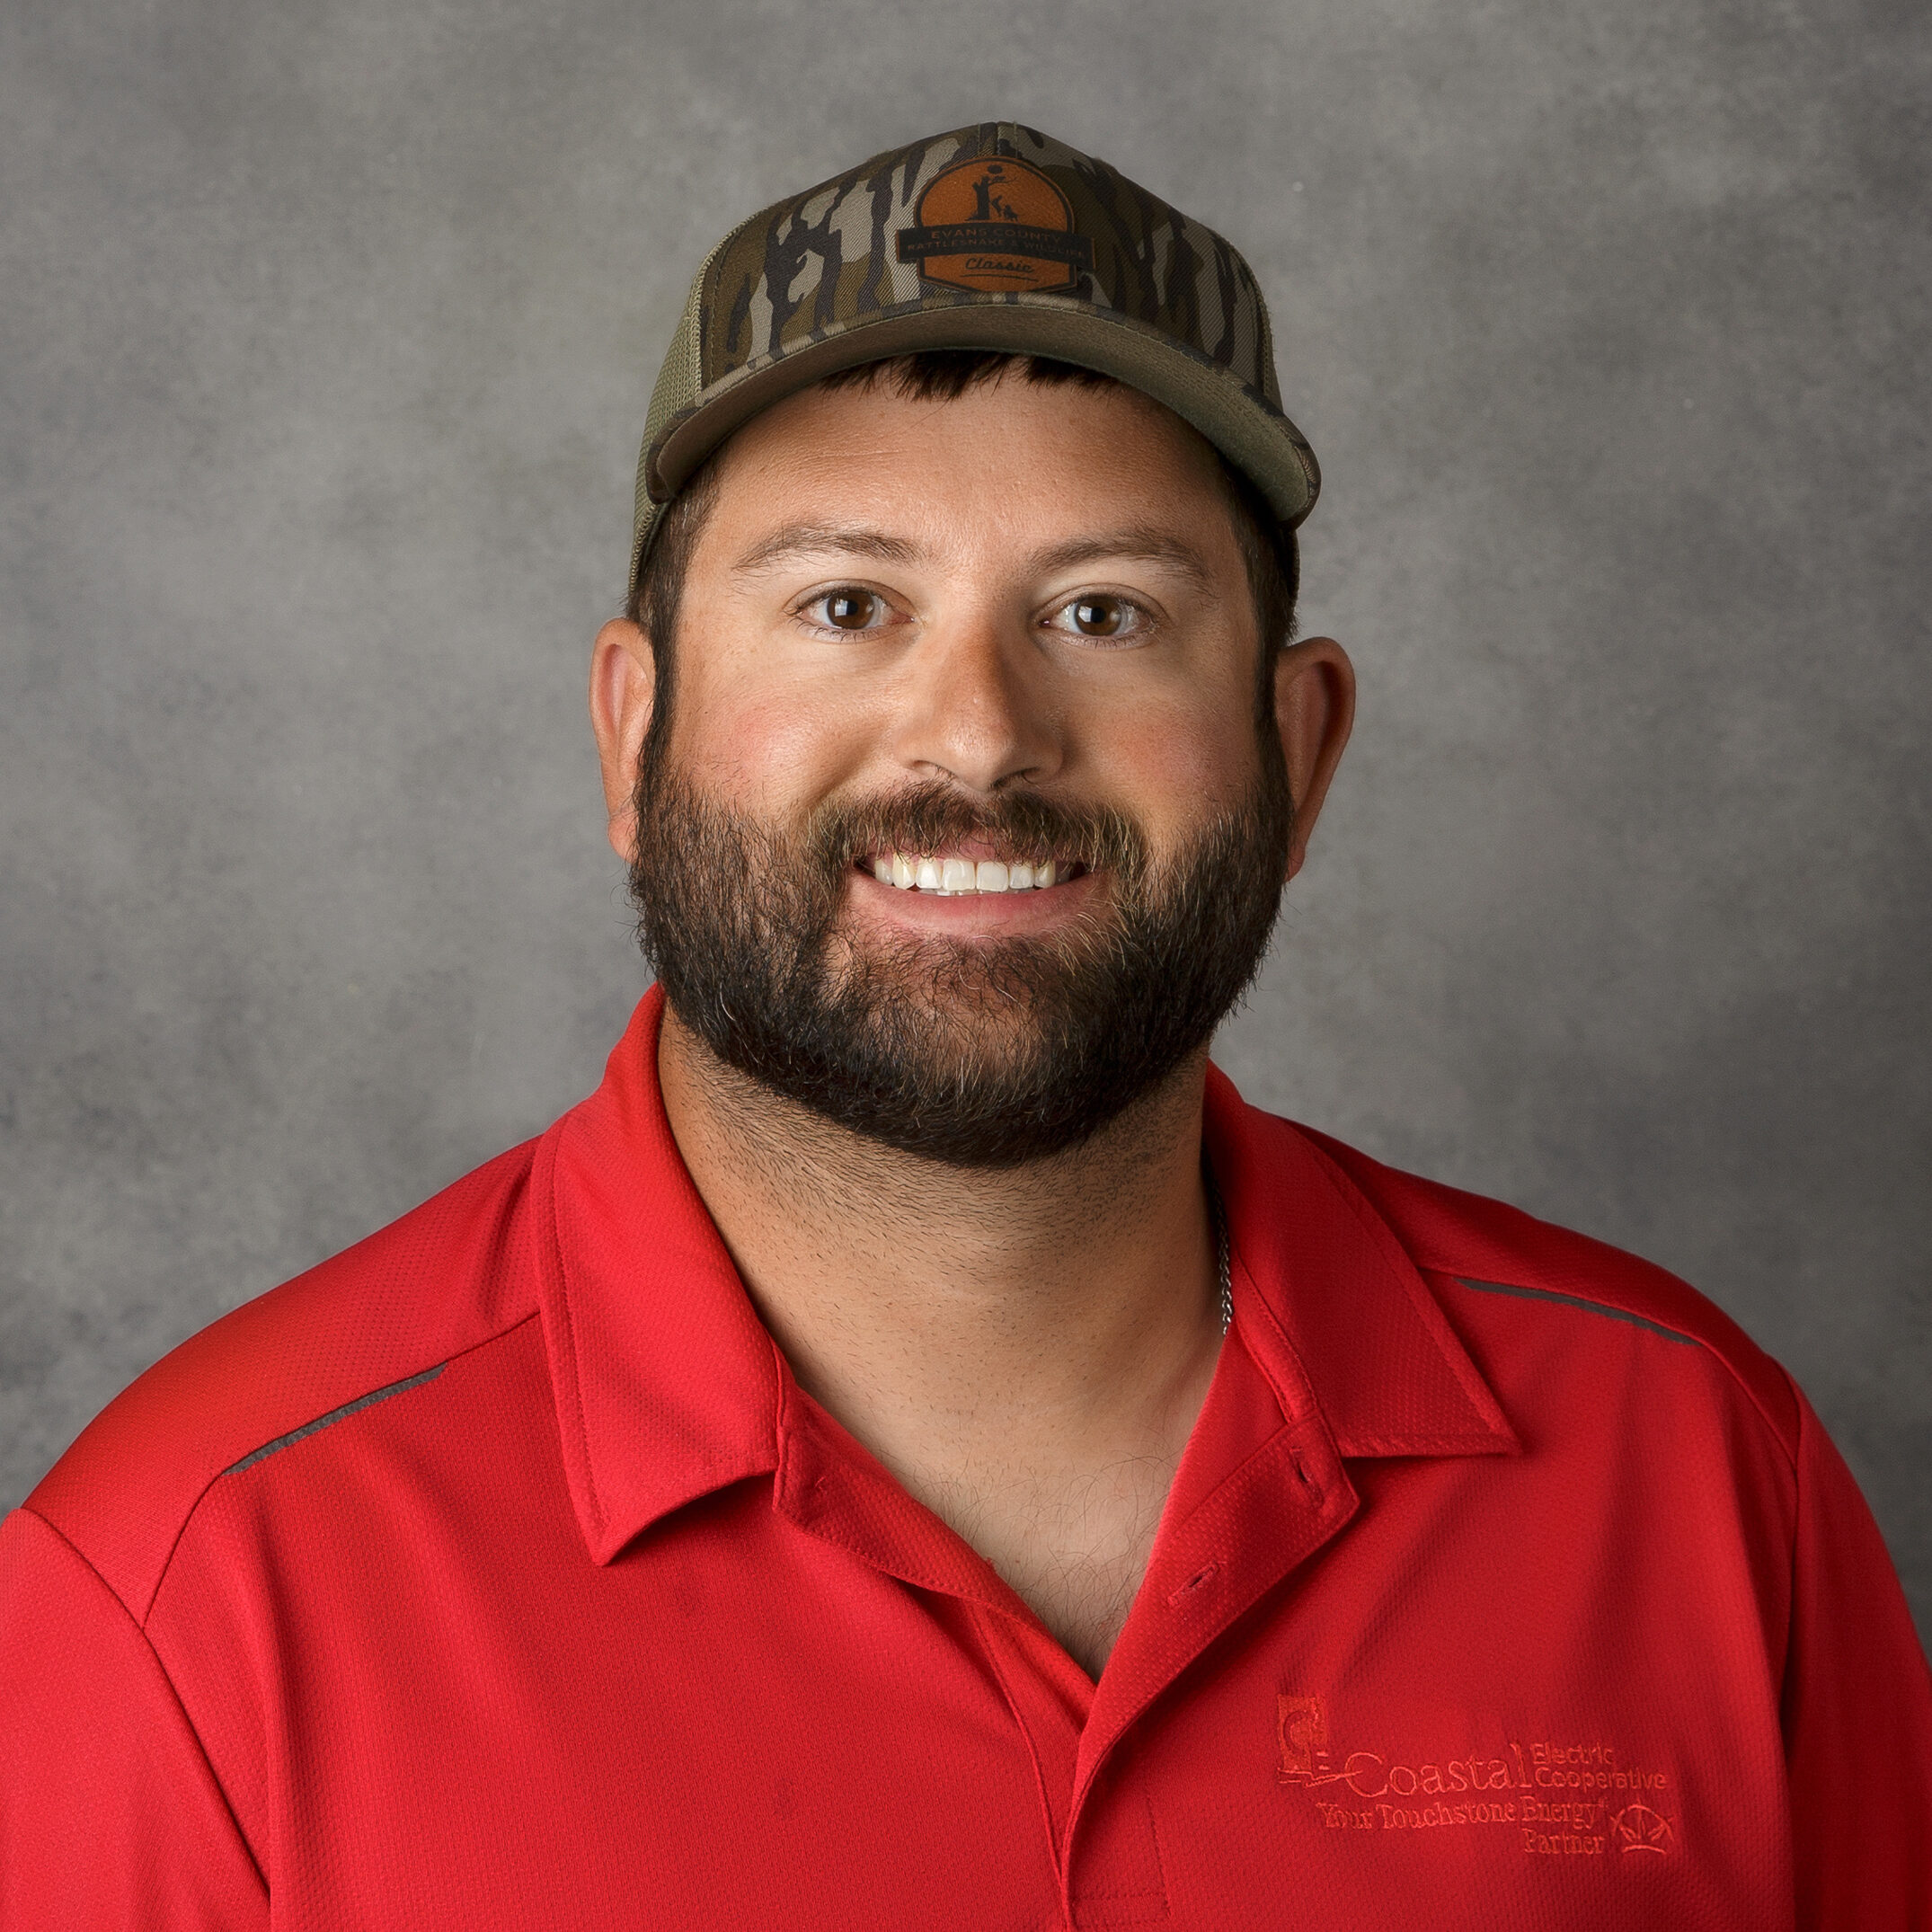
column 1555, row 1798
column 1637, row 1827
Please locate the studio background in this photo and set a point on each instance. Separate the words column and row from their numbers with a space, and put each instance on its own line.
column 325, row 338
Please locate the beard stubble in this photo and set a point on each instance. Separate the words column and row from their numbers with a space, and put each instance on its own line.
column 972, row 1053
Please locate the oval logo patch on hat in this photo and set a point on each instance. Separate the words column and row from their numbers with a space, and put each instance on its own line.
column 994, row 225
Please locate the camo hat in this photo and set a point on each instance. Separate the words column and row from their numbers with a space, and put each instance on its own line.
column 990, row 237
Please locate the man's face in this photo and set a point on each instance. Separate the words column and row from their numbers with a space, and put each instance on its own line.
column 929, row 645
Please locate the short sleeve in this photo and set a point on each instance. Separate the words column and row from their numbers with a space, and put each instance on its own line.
column 1858, row 1714
column 110, row 1815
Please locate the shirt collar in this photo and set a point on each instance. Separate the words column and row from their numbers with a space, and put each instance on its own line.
column 668, row 1387
column 1330, row 1306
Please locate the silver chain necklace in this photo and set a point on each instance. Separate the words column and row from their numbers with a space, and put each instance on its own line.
column 1223, row 1264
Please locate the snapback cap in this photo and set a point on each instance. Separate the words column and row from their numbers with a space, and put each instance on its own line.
column 993, row 236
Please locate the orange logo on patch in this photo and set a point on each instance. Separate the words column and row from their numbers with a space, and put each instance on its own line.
column 995, row 225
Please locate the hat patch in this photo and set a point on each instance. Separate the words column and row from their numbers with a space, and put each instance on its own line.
column 995, row 225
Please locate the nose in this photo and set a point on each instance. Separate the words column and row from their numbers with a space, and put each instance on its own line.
column 971, row 706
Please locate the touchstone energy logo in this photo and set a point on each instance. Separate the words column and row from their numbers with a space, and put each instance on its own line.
column 1551, row 1798
column 993, row 226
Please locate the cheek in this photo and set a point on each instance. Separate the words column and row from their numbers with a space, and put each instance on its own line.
column 1179, row 760
column 772, row 748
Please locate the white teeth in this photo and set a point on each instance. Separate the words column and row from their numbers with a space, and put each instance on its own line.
column 953, row 876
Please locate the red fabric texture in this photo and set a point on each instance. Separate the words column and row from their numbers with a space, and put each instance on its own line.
column 1504, row 1583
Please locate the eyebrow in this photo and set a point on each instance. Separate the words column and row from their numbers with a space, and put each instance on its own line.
column 815, row 539
column 1143, row 544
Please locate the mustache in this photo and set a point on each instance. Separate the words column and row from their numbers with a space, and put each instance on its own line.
column 931, row 815
column 971, row 1055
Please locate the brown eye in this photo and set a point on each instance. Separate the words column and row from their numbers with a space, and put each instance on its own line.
column 1099, row 616
column 850, row 610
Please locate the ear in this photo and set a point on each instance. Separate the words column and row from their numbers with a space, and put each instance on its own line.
column 623, row 687
column 1314, row 710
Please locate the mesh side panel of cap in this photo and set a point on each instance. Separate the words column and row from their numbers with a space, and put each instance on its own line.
column 675, row 390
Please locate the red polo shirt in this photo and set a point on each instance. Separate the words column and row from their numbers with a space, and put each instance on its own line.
column 497, row 1574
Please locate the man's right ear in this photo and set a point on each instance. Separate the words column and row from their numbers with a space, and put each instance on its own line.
column 623, row 686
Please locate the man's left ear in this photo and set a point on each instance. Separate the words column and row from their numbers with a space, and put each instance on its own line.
column 1314, row 711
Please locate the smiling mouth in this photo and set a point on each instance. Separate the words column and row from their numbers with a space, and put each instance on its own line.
column 952, row 875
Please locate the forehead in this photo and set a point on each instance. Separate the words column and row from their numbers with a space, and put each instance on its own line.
column 1007, row 459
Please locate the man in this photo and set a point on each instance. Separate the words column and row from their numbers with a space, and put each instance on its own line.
column 915, row 1449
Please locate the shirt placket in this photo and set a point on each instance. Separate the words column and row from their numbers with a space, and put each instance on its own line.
column 1262, row 1492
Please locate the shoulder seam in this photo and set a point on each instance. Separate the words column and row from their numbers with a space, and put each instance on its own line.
column 337, row 1416
column 1789, row 1450
column 140, row 1630
column 322, row 1421
column 1577, row 1301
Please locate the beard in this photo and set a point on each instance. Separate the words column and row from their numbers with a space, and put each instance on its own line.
column 976, row 1053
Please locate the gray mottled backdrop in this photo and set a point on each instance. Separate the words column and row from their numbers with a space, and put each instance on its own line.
column 327, row 332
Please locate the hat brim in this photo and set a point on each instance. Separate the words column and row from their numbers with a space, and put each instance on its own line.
column 1257, row 438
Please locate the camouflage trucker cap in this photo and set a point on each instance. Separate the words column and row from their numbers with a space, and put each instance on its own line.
column 990, row 237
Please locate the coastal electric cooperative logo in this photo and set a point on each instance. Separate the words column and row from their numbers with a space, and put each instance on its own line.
column 1557, row 1800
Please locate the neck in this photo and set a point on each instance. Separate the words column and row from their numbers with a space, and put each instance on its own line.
column 986, row 1334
